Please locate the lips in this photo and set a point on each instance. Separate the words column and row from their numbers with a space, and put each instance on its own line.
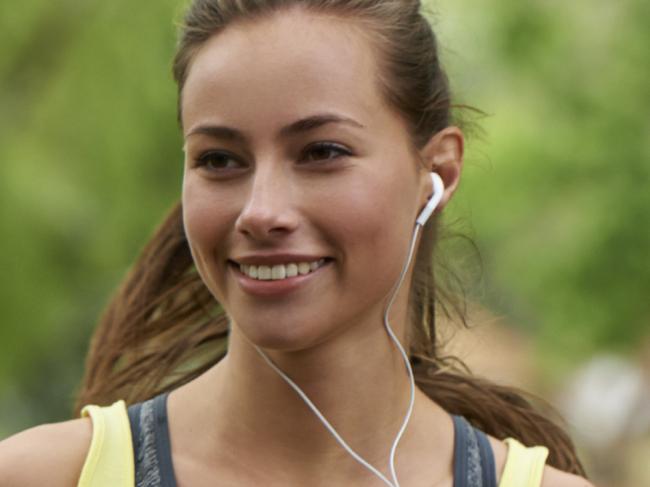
column 269, row 285
column 279, row 271
column 277, row 259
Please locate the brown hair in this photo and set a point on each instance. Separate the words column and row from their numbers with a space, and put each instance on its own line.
column 163, row 328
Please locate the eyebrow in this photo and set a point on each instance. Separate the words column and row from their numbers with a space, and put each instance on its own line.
column 300, row 126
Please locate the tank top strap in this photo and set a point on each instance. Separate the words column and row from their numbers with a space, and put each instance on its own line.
column 524, row 465
column 109, row 461
column 488, row 466
column 473, row 457
column 151, row 444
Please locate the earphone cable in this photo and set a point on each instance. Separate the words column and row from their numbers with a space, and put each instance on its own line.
column 404, row 356
column 322, row 418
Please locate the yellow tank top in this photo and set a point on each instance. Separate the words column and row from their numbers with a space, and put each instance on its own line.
column 110, row 462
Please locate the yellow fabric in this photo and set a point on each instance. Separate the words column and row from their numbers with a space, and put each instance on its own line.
column 524, row 466
column 109, row 462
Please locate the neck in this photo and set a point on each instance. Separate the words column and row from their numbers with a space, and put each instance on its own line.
column 362, row 390
column 362, row 395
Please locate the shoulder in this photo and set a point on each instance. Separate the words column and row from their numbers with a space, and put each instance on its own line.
column 49, row 454
column 552, row 477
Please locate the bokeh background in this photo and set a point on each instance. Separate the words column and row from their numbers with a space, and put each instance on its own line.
column 555, row 192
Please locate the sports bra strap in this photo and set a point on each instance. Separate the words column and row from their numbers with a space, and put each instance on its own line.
column 109, row 462
column 151, row 443
column 110, row 459
column 487, row 459
column 473, row 457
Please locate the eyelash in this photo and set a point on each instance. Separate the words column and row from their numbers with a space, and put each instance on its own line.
column 204, row 159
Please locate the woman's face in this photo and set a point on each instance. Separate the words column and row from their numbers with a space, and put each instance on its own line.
column 292, row 157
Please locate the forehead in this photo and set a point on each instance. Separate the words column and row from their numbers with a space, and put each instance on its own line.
column 280, row 67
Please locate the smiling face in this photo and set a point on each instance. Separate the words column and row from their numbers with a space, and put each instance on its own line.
column 291, row 152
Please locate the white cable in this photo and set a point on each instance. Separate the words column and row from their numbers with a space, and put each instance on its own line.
column 331, row 429
column 404, row 356
column 320, row 416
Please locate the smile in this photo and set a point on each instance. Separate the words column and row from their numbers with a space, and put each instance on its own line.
column 280, row 271
column 277, row 279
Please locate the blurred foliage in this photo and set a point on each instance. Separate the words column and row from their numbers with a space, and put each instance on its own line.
column 91, row 160
column 556, row 190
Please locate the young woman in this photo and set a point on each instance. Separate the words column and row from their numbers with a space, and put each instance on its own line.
column 258, row 339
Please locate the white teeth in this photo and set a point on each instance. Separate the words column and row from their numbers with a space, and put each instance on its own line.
column 280, row 271
column 292, row 270
column 264, row 273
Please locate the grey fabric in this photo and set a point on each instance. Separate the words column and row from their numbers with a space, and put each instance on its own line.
column 473, row 457
column 151, row 447
column 487, row 459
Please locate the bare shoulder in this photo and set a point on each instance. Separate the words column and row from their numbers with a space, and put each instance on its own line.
column 553, row 477
column 49, row 454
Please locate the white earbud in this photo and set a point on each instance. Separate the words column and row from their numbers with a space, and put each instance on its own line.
column 438, row 190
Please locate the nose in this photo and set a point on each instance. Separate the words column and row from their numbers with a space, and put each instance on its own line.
column 268, row 211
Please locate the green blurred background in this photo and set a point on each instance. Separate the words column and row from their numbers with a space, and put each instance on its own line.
column 555, row 189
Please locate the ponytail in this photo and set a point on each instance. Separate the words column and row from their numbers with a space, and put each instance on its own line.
column 163, row 328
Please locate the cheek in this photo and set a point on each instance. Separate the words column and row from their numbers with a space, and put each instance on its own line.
column 372, row 230
column 204, row 223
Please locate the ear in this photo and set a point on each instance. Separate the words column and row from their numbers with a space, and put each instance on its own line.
column 443, row 154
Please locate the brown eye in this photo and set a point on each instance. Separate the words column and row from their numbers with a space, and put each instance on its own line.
column 322, row 150
column 217, row 161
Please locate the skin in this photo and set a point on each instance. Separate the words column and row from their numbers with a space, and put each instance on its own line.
column 276, row 196
column 239, row 423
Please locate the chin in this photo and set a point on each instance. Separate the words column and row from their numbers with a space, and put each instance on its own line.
column 284, row 335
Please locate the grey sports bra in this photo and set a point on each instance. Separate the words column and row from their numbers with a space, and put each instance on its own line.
column 473, row 457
